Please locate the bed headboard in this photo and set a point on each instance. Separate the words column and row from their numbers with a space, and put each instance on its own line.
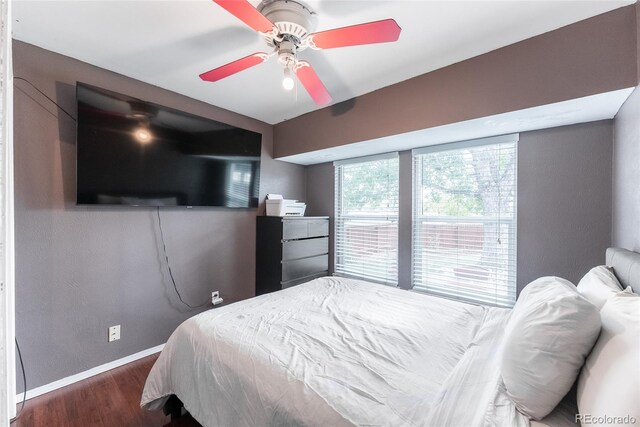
column 626, row 266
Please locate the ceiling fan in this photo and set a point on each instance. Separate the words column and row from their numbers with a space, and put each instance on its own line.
column 286, row 26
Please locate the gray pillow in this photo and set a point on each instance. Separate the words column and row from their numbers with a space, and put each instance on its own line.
column 550, row 333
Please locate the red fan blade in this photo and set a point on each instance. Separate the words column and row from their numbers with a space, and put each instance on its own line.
column 312, row 83
column 384, row 31
column 244, row 11
column 234, row 67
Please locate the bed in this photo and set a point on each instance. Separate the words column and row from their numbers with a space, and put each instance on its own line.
column 338, row 351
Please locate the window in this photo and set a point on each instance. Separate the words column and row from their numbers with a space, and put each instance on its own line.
column 464, row 220
column 366, row 220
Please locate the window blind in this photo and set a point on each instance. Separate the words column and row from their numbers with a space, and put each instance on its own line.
column 239, row 184
column 366, row 218
column 464, row 221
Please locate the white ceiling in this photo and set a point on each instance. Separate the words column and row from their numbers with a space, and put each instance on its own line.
column 169, row 43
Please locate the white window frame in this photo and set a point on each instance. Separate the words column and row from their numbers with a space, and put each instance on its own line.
column 512, row 138
column 337, row 221
column 7, row 259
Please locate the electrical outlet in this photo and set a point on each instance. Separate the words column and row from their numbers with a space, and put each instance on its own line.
column 215, row 298
column 114, row 333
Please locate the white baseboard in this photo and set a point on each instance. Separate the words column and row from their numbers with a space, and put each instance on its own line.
column 87, row 374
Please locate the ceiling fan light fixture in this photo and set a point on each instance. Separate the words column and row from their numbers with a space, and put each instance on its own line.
column 287, row 81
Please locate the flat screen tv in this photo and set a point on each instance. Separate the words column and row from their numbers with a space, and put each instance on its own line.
column 131, row 152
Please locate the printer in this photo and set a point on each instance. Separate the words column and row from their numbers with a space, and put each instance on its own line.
column 279, row 206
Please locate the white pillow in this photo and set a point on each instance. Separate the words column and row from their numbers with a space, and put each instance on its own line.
column 551, row 330
column 609, row 384
column 598, row 285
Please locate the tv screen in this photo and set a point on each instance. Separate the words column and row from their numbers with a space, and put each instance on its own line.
column 131, row 152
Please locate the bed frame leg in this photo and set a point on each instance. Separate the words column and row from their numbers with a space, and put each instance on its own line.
column 173, row 407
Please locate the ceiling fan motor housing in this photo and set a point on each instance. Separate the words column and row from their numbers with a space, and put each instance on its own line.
column 292, row 18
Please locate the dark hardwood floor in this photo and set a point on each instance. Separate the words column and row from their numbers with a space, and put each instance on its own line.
column 109, row 399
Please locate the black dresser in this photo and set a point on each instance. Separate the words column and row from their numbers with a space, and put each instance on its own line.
column 290, row 251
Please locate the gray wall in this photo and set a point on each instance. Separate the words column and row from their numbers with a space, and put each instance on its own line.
column 80, row 270
column 626, row 175
column 320, row 197
column 592, row 56
column 564, row 201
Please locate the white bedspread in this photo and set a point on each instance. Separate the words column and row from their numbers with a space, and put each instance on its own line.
column 337, row 352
